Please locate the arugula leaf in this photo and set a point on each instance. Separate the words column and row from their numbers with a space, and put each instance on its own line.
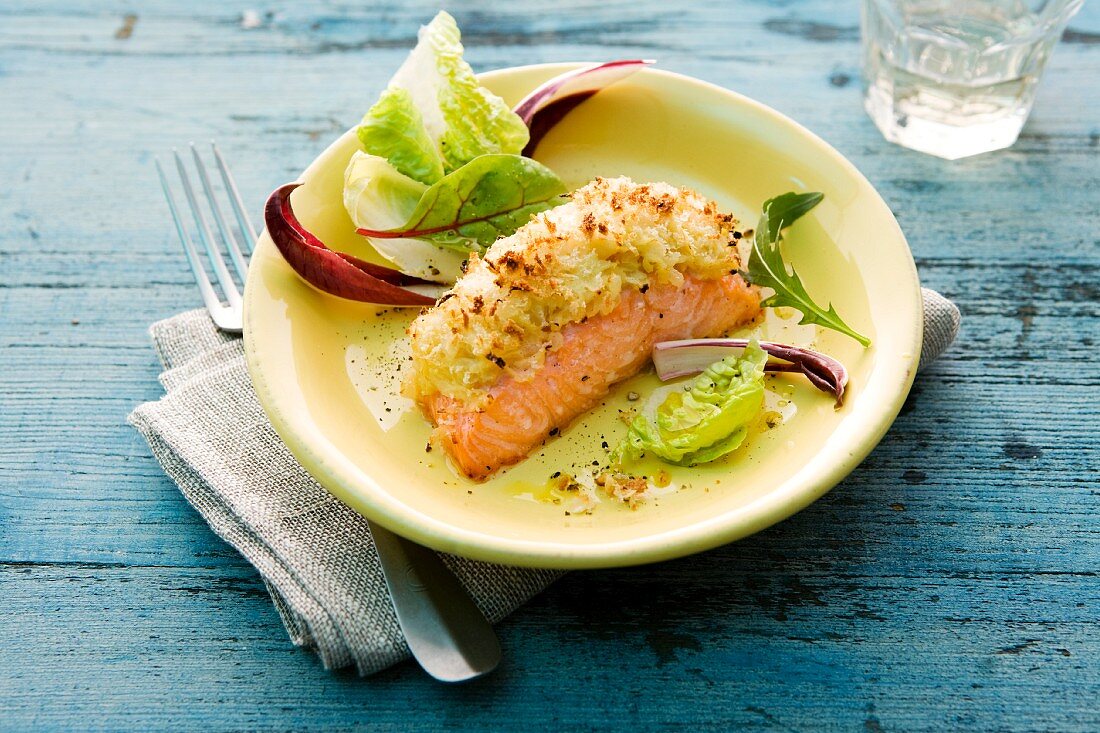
column 489, row 197
column 766, row 266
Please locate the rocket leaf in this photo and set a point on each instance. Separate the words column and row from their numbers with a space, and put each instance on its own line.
column 766, row 266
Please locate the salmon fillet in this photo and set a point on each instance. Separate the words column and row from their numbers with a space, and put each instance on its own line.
column 541, row 326
column 593, row 356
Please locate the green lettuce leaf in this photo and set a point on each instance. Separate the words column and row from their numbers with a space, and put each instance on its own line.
column 706, row 420
column 464, row 119
column 377, row 195
column 394, row 130
column 435, row 126
column 766, row 266
column 489, row 197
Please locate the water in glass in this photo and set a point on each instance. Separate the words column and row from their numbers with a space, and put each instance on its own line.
column 956, row 77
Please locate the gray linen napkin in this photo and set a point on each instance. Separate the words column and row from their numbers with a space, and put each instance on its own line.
column 314, row 554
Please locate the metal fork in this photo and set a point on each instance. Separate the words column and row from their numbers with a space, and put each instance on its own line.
column 446, row 632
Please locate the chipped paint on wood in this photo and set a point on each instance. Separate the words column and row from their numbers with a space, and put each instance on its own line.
column 951, row 583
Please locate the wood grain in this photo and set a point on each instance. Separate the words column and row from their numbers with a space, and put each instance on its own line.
column 950, row 584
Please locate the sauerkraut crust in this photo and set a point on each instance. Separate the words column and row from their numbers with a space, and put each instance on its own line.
column 566, row 265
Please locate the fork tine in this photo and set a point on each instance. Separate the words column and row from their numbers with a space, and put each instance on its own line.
column 239, row 210
column 209, row 297
column 207, row 237
column 223, row 227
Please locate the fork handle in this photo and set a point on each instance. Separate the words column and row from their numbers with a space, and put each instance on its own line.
column 446, row 632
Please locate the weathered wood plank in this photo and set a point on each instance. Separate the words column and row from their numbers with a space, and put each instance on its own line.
column 846, row 641
column 950, row 583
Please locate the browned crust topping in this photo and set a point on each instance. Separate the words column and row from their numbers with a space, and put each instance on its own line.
column 566, row 265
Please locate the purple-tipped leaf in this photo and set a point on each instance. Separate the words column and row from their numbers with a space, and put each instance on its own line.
column 549, row 103
column 333, row 272
column 691, row 356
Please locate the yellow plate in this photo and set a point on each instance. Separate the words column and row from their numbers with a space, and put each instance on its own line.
column 326, row 370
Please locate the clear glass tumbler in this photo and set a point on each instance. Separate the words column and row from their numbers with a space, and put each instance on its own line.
column 956, row 77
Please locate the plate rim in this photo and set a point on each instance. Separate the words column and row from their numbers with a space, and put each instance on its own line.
column 683, row 540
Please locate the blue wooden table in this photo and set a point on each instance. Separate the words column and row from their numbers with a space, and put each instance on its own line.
column 950, row 584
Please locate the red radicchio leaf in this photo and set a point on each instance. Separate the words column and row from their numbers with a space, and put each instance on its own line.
column 549, row 103
column 333, row 272
column 691, row 356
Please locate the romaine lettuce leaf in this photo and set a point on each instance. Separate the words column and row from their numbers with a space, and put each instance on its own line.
column 464, row 119
column 377, row 195
column 431, row 122
column 706, row 420
column 394, row 130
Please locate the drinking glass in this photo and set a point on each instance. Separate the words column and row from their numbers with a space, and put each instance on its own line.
column 956, row 77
